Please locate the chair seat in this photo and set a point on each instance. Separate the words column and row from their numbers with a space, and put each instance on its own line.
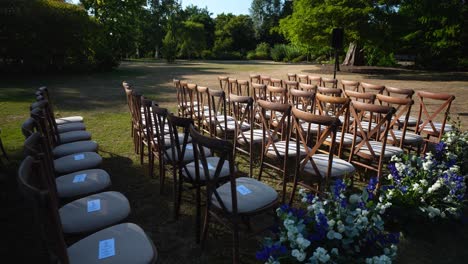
column 281, row 147
column 412, row 121
column 438, row 126
column 258, row 195
column 131, row 244
column 347, row 140
column 377, row 148
column 313, row 127
column 68, row 119
column 75, row 218
column 75, row 147
column 410, row 138
column 67, row 127
column 77, row 162
column 365, row 126
column 257, row 136
column 231, row 125
column 188, row 155
column 82, row 182
column 339, row 168
column 167, row 139
column 212, row 161
column 220, row 118
column 73, row 136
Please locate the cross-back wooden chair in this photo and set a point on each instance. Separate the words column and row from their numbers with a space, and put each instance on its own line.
column 237, row 199
column 315, row 168
column 372, row 151
column 218, row 118
column 123, row 243
column 276, row 82
column 292, row 77
column 44, row 91
column 427, row 123
column 398, row 131
column 181, row 97
column 372, row 88
column 348, row 85
column 337, row 107
column 202, row 108
column 329, row 82
column 254, row 78
column 360, row 96
column 303, row 100
column 405, row 93
column 330, row 91
column 291, row 85
column 302, row 78
column 276, row 94
column 264, row 79
column 315, row 80
column 307, row 87
column 128, row 94
column 224, row 83
column 277, row 147
column 138, row 124
column 243, row 88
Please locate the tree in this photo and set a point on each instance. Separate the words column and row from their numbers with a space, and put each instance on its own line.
column 202, row 16
column 265, row 15
column 192, row 39
column 234, row 33
column 312, row 22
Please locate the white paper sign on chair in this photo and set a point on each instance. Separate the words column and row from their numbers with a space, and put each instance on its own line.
column 79, row 178
column 94, row 205
column 243, row 190
column 79, row 157
column 106, row 248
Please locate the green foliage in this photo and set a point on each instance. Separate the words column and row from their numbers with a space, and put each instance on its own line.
column 169, row 47
column 278, row 52
column 192, row 39
column 292, row 53
column 265, row 15
column 47, row 35
column 261, row 52
column 233, row 34
column 377, row 57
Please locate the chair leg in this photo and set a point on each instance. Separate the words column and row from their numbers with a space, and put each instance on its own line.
column 198, row 215
column 206, row 224
column 142, row 150
column 162, row 175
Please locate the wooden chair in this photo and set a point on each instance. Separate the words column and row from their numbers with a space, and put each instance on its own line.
column 292, row 77
column 277, row 148
column 302, row 78
column 303, row 100
column 44, row 91
column 128, row 94
column 277, row 94
column 276, row 82
column 314, row 80
column 243, row 88
column 317, row 169
column 218, row 118
column 224, row 83
column 372, row 151
column 405, row 93
column 254, row 78
column 398, row 134
column 307, row 87
column 264, row 79
column 372, row 88
column 291, row 85
column 347, row 85
column 239, row 198
column 121, row 243
column 427, row 124
column 330, row 91
column 330, row 82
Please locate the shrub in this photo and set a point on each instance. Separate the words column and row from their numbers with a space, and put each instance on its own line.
column 278, row 52
column 378, row 57
column 169, row 48
column 48, row 35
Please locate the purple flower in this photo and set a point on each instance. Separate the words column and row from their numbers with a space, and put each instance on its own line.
column 371, row 187
column 274, row 251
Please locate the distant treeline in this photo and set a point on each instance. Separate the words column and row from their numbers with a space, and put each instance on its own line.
column 51, row 35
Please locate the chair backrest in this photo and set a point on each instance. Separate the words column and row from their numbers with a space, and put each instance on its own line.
column 151, row 123
column 264, row 79
column 217, row 113
column 291, row 85
column 402, row 112
column 360, row 97
column 232, row 86
column 277, row 94
column 303, row 100
column 177, row 123
column 302, row 78
column 128, row 93
column 393, row 91
column 243, row 88
column 137, row 112
column 45, row 209
column 330, row 91
column 313, row 142
column 307, row 87
column 292, row 77
column 243, row 113
column 254, row 78
column 313, row 79
column 348, row 85
column 426, row 118
column 224, row 83
column 42, row 109
column 181, row 97
column 276, row 82
column 372, row 88
column 280, row 119
column 161, row 128
column 224, row 151
column 259, row 91
column 330, row 82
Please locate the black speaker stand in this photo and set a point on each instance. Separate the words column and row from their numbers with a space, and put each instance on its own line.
column 337, row 64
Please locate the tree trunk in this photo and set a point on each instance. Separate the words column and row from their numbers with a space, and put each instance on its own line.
column 156, row 52
column 354, row 56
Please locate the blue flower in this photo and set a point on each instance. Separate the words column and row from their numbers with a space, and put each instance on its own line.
column 274, row 251
column 371, row 187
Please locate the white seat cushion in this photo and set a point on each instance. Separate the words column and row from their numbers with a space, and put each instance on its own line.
column 438, row 126
column 77, row 162
column 188, row 155
column 365, row 126
column 339, row 168
column 412, row 121
column 281, row 147
column 70, row 185
column 347, row 140
column 377, row 148
column 167, row 139
column 131, row 243
column 73, row 136
column 68, row 119
column 260, row 195
column 75, row 147
column 231, row 125
column 410, row 138
column 75, row 218
column 71, row 127
column 213, row 163
column 257, row 136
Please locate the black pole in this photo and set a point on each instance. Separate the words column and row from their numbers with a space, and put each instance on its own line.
column 336, row 66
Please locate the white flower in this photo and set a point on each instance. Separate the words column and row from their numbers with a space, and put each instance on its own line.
column 299, row 255
column 354, row 199
column 321, row 255
column 302, row 242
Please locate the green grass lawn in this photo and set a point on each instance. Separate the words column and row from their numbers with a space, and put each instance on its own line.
column 99, row 98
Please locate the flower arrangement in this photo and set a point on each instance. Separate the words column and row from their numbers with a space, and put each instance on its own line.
column 434, row 184
column 337, row 229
